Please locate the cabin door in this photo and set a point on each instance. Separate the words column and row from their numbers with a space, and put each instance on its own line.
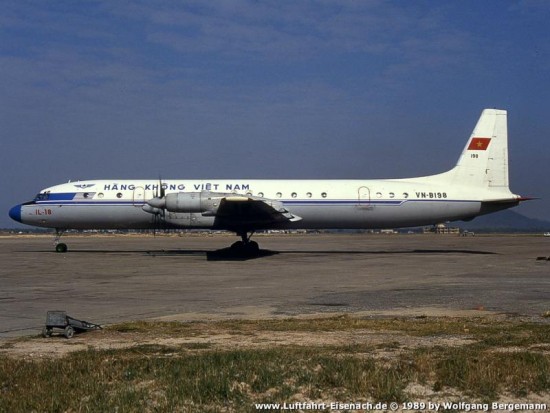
column 363, row 198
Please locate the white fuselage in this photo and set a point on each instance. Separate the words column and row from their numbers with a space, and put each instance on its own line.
column 106, row 204
column 477, row 185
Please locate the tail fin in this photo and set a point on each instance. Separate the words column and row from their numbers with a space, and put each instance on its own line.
column 484, row 160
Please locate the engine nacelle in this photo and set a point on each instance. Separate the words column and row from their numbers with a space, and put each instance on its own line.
column 204, row 202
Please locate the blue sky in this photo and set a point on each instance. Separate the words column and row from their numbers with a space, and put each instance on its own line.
column 267, row 89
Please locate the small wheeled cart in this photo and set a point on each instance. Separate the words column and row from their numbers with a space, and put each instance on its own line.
column 69, row 325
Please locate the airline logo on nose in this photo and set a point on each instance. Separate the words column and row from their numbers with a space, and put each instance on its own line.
column 479, row 144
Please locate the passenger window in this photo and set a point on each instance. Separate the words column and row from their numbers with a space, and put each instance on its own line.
column 324, row 194
column 279, row 195
column 294, row 195
column 119, row 195
column 309, row 195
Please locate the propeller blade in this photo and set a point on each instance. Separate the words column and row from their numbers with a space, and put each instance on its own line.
column 159, row 202
column 162, row 190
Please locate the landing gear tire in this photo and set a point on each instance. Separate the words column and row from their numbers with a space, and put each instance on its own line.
column 245, row 248
column 252, row 247
column 61, row 247
column 46, row 332
column 237, row 246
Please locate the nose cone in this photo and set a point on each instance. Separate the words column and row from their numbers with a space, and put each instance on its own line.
column 15, row 213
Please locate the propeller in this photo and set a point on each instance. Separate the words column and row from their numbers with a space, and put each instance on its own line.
column 156, row 206
column 159, row 201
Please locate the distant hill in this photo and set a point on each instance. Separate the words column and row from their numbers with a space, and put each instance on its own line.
column 504, row 221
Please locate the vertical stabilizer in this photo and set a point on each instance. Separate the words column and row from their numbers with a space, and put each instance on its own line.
column 484, row 160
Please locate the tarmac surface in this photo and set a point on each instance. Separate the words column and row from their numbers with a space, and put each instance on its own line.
column 112, row 279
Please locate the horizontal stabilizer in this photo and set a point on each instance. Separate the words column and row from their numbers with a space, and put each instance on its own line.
column 515, row 200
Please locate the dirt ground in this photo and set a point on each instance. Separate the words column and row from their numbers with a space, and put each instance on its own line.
column 206, row 334
column 384, row 345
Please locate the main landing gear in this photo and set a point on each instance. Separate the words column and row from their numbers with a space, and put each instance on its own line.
column 245, row 247
column 59, row 246
column 242, row 250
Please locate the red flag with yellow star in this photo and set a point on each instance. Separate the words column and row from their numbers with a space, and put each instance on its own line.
column 479, row 144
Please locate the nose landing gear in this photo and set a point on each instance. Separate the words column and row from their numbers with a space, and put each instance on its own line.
column 59, row 246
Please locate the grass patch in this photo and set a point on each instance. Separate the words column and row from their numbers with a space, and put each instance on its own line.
column 481, row 373
column 130, row 379
column 505, row 357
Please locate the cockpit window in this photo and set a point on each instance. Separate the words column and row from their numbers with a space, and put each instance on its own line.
column 42, row 197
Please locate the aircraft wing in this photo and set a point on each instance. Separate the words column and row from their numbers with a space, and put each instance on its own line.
column 242, row 212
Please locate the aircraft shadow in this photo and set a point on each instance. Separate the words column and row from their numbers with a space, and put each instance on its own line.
column 224, row 254
column 228, row 254
column 395, row 252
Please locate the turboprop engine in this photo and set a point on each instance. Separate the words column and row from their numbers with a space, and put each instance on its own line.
column 208, row 204
column 204, row 202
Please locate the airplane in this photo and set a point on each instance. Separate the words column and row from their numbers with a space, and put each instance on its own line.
column 477, row 185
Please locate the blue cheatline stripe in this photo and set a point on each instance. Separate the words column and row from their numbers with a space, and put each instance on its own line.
column 67, row 203
column 353, row 202
column 61, row 196
column 341, row 202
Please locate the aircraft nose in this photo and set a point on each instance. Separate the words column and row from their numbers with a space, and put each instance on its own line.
column 15, row 213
